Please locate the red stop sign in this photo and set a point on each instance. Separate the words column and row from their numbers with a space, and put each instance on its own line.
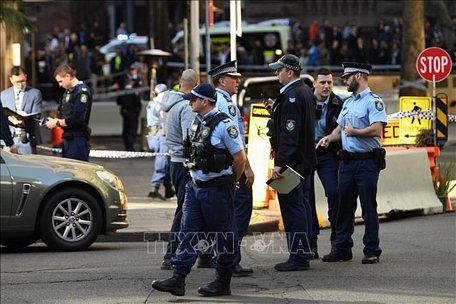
column 433, row 62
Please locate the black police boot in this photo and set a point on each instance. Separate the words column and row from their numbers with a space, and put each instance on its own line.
column 155, row 194
column 174, row 285
column 240, row 271
column 314, row 248
column 331, row 257
column 219, row 287
column 287, row 266
column 370, row 259
column 169, row 192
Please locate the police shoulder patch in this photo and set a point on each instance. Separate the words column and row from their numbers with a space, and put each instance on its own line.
column 84, row 98
column 204, row 132
column 232, row 110
column 291, row 124
column 292, row 99
column 379, row 105
column 233, row 132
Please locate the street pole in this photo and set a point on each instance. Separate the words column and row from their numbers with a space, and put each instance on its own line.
column 194, row 35
column 434, row 110
column 208, row 44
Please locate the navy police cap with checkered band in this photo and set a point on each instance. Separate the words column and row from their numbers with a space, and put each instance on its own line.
column 355, row 67
column 288, row 61
column 229, row 68
column 203, row 91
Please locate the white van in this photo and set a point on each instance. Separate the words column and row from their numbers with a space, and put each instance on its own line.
column 273, row 36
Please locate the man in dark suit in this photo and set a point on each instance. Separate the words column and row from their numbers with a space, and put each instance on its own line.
column 22, row 99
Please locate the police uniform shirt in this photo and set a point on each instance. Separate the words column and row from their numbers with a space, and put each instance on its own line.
column 320, row 124
column 75, row 104
column 226, row 105
column 361, row 111
column 225, row 136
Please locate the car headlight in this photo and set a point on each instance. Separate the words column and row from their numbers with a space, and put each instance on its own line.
column 110, row 179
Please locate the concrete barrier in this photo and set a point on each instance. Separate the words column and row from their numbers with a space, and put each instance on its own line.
column 405, row 185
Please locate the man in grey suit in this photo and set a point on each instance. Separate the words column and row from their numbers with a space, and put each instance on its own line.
column 22, row 99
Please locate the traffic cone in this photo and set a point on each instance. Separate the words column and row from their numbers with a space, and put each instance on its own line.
column 448, row 205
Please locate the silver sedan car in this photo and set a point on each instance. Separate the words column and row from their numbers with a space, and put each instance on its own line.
column 63, row 202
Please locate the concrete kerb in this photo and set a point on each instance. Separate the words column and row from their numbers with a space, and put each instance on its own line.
column 262, row 221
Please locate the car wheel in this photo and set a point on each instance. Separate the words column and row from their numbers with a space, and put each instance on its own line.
column 19, row 243
column 70, row 220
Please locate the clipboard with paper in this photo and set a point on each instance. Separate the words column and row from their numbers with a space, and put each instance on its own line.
column 26, row 120
column 291, row 178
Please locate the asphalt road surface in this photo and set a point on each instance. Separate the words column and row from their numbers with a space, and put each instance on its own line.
column 417, row 266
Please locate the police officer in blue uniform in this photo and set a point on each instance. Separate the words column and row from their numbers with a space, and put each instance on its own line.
column 328, row 107
column 226, row 79
column 74, row 114
column 360, row 125
column 292, row 141
column 216, row 159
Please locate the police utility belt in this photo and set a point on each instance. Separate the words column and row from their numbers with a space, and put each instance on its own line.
column 200, row 154
column 379, row 155
column 216, row 182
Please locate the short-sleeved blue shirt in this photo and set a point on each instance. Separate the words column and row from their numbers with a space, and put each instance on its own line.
column 225, row 136
column 227, row 106
column 361, row 111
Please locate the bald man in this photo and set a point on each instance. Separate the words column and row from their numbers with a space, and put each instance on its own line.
column 179, row 118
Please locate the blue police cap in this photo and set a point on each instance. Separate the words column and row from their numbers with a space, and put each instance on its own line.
column 288, row 61
column 229, row 68
column 355, row 67
column 203, row 91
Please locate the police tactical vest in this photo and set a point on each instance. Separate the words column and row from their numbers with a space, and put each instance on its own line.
column 203, row 155
column 67, row 109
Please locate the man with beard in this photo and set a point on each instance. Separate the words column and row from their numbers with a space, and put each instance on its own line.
column 360, row 125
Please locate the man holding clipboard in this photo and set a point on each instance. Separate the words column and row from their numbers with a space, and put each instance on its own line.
column 292, row 134
column 21, row 104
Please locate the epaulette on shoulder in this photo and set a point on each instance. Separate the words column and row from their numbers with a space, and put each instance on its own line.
column 375, row 95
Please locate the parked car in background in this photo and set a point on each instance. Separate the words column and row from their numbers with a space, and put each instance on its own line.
column 65, row 203
column 123, row 41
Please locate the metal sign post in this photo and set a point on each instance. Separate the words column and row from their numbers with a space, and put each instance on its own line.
column 434, row 64
column 434, row 110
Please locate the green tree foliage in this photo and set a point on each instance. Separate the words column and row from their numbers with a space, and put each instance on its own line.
column 13, row 18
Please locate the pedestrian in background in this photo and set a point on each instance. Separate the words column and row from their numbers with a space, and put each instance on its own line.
column 226, row 79
column 156, row 140
column 179, row 118
column 74, row 114
column 360, row 125
column 328, row 107
column 292, row 142
column 130, row 108
column 22, row 99
column 216, row 160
